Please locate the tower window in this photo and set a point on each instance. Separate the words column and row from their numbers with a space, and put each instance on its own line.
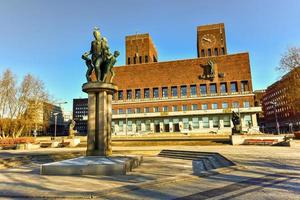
column 209, row 52
column 140, row 59
column 202, row 53
column 223, row 51
column 216, row 52
column 128, row 60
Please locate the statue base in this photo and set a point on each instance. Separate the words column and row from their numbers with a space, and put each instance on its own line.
column 99, row 117
column 92, row 165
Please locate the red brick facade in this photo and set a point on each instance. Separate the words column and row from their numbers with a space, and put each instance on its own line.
column 283, row 97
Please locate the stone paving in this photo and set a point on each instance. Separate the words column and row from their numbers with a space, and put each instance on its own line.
column 261, row 172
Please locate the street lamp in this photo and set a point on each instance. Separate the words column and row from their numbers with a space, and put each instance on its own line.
column 277, row 124
column 55, row 123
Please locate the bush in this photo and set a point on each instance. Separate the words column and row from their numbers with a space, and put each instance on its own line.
column 14, row 141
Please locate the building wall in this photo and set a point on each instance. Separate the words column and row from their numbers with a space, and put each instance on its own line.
column 140, row 49
column 285, row 93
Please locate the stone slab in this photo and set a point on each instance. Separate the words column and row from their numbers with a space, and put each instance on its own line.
column 92, row 165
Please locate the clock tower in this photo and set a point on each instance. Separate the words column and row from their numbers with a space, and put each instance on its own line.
column 211, row 40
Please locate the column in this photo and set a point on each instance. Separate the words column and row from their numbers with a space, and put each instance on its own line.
column 91, row 123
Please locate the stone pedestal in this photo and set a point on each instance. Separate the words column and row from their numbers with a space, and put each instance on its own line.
column 99, row 117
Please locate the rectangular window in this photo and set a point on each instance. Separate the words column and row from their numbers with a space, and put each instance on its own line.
column 223, row 51
column 185, row 122
column 209, row 52
column 155, row 93
column 140, row 59
column 165, row 92
column 134, row 60
column 224, row 105
column 138, row 110
column 165, row 108
column 147, row 109
column 121, row 126
column 129, row 94
column 233, row 87
column 138, row 125
column 120, row 111
column 223, row 88
column 194, row 107
column 246, row 104
column 204, row 106
column 146, row 59
column 202, row 53
column 215, row 121
column 216, row 52
column 129, row 110
column 146, row 93
column 244, row 86
column 129, row 125
column 175, row 108
column 235, row 104
column 205, row 122
column 137, row 93
column 213, row 88
column 183, row 91
column 247, row 120
column 203, row 89
column 113, row 111
column 174, row 91
column 147, row 124
column 214, row 106
column 195, row 122
column 226, row 121
column 128, row 60
column 184, row 107
column 120, row 95
column 156, row 109
column 193, row 89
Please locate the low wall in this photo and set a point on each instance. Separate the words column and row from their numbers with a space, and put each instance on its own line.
column 240, row 139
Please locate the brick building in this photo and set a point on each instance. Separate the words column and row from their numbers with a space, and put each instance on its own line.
column 192, row 95
column 282, row 99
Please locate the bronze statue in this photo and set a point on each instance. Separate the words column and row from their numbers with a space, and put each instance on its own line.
column 101, row 61
column 236, row 123
column 208, row 70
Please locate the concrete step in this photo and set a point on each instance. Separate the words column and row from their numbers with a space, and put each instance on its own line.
column 201, row 161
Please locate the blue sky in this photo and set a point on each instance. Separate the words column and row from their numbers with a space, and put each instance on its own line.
column 47, row 37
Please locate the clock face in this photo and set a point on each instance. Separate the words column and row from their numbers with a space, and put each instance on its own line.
column 208, row 40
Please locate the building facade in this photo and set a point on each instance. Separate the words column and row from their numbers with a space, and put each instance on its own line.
column 80, row 113
column 189, row 96
column 282, row 101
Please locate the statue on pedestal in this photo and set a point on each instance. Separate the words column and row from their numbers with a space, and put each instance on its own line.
column 100, row 89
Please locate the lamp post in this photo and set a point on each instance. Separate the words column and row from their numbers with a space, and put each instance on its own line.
column 55, row 123
column 277, row 124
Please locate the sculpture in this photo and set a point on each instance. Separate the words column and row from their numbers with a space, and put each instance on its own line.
column 208, row 70
column 236, row 122
column 71, row 129
column 101, row 61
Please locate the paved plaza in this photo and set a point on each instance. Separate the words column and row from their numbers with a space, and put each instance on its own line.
column 261, row 172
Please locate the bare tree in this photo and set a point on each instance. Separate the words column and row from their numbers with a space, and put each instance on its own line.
column 290, row 59
column 21, row 107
